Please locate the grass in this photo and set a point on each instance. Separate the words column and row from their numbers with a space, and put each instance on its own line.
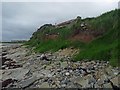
column 52, row 45
column 102, row 48
column 105, row 48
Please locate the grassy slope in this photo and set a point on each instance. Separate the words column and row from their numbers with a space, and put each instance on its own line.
column 103, row 48
column 65, row 32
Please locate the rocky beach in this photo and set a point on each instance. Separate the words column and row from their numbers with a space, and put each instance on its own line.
column 22, row 68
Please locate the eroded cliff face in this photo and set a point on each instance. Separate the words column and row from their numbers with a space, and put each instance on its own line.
column 98, row 35
column 77, row 30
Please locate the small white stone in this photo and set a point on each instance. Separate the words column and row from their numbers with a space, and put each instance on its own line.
column 67, row 73
column 28, row 63
column 7, row 68
column 71, row 71
column 49, row 75
column 115, row 73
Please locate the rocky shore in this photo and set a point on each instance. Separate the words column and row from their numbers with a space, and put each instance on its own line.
column 23, row 69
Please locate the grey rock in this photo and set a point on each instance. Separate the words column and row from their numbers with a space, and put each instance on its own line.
column 115, row 81
column 27, row 82
column 92, row 80
column 46, row 73
column 17, row 73
column 44, row 57
column 64, row 64
column 67, row 73
column 73, row 85
column 63, row 85
column 100, row 82
column 108, row 85
column 44, row 85
column 65, row 81
column 80, row 80
column 38, row 74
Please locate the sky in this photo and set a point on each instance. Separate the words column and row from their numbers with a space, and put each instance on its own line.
column 21, row 19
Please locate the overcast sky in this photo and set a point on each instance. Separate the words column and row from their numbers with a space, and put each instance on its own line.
column 20, row 20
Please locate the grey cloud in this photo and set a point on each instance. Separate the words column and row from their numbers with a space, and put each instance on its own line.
column 20, row 20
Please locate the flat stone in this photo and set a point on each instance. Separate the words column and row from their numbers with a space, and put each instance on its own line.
column 63, row 64
column 44, row 85
column 27, row 82
column 108, row 85
column 17, row 73
column 109, row 71
column 80, row 80
column 115, row 81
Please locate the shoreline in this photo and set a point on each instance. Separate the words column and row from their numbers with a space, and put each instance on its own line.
column 23, row 69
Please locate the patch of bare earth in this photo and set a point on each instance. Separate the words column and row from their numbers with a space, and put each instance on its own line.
column 83, row 37
column 53, row 37
column 67, row 52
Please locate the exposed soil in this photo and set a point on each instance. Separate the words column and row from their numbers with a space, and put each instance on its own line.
column 67, row 52
column 83, row 37
column 53, row 37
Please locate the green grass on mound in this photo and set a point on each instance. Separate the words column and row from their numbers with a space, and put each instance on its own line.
column 102, row 48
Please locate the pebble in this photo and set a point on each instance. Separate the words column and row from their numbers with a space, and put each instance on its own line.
column 67, row 73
